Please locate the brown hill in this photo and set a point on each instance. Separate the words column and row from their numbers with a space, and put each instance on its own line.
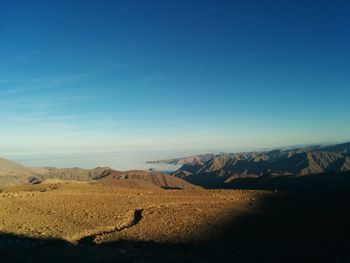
column 155, row 178
column 75, row 173
column 130, row 184
column 12, row 173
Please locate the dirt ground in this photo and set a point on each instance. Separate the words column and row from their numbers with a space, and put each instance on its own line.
column 92, row 222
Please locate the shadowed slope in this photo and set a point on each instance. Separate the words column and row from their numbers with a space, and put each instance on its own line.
column 303, row 227
column 343, row 147
column 215, row 172
column 330, row 181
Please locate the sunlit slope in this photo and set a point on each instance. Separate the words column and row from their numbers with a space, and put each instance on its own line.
column 12, row 173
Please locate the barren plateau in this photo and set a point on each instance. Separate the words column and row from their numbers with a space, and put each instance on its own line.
column 70, row 221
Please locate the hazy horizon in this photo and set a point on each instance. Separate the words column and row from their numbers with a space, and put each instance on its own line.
column 121, row 159
column 172, row 76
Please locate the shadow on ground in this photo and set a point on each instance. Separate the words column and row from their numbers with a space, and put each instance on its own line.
column 291, row 227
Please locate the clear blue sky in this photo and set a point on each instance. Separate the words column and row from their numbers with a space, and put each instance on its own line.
column 173, row 74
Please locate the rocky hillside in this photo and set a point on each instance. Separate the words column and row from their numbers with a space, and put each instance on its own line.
column 75, row 173
column 155, row 178
column 215, row 171
column 12, row 173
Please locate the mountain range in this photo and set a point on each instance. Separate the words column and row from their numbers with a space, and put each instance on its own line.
column 12, row 173
column 226, row 170
column 310, row 166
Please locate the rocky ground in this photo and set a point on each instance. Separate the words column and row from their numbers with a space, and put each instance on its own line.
column 94, row 222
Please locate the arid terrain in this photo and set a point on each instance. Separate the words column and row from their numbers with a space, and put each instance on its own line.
column 102, row 215
column 83, row 214
column 61, row 221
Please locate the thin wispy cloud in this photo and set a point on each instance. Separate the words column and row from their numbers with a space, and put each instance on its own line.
column 152, row 78
column 25, row 55
column 40, row 79
column 44, row 102
column 6, row 80
column 46, row 82
column 25, row 89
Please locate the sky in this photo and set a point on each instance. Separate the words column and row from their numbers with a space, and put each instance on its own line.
column 180, row 75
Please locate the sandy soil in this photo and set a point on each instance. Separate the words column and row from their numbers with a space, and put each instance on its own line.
column 94, row 222
column 74, row 211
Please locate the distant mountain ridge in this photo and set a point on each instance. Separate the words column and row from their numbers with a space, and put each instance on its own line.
column 215, row 171
column 12, row 173
column 266, row 154
column 224, row 170
column 342, row 147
